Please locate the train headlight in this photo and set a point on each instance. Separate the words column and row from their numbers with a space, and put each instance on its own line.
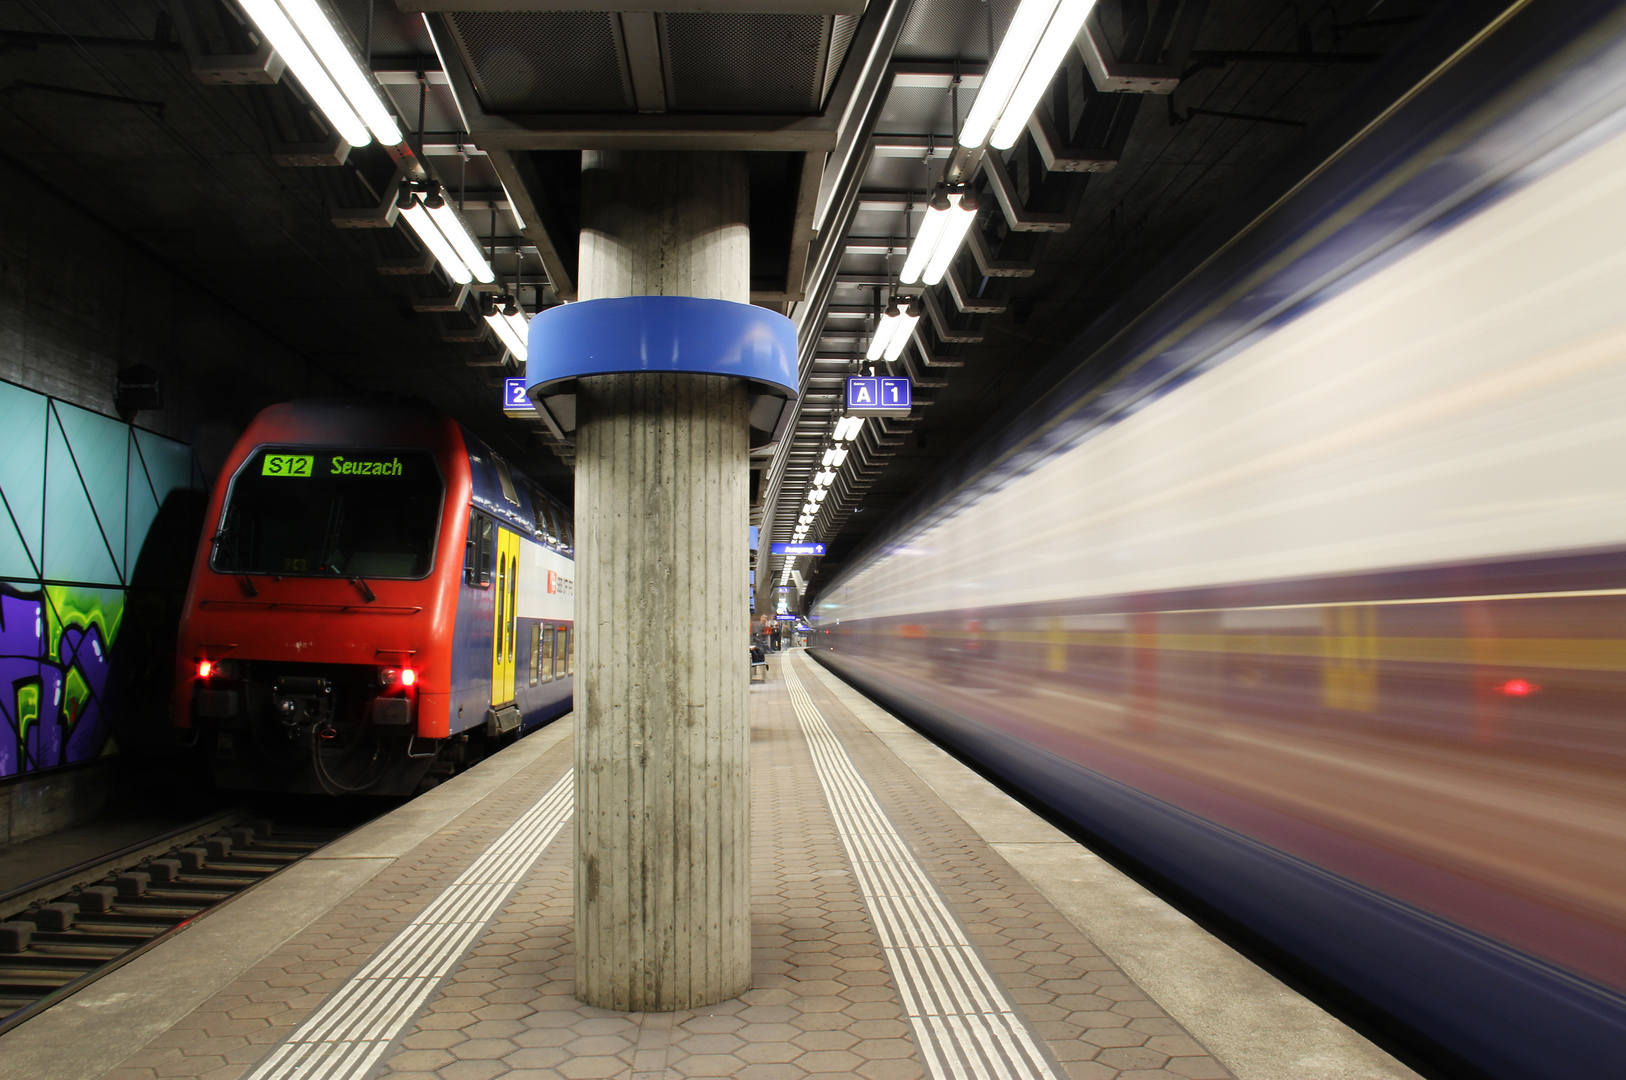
column 205, row 669
column 408, row 676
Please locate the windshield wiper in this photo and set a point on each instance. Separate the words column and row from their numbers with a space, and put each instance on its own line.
column 366, row 590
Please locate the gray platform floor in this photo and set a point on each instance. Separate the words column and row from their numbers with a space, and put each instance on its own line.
column 909, row 921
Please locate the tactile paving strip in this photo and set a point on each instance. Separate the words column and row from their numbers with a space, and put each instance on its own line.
column 963, row 1019
column 344, row 1038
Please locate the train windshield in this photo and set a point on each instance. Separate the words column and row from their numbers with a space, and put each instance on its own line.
column 344, row 512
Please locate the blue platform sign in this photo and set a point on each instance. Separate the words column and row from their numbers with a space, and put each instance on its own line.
column 797, row 549
column 879, row 396
column 513, row 397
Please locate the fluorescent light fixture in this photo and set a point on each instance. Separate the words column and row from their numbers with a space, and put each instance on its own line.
column 1022, row 39
column 818, row 494
column 357, row 85
column 925, row 244
column 849, row 428
column 960, row 217
column 511, row 331
column 891, row 319
column 826, row 478
column 1041, row 69
column 417, row 217
column 274, row 24
column 835, row 456
column 457, row 234
column 443, row 232
column 904, row 334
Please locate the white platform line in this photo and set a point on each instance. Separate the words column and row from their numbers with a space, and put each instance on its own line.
column 350, row 1031
column 964, row 1021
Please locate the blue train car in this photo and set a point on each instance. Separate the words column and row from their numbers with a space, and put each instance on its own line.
column 1312, row 608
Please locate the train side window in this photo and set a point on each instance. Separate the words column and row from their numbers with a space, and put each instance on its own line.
column 547, row 654
column 570, row 650
column 506, row 479
column 477, row 552
column 536, row 650
column 561, row 651
column 544, row 517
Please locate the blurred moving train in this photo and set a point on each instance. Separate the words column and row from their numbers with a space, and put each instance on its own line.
column 378, row 600
column 1316, row 609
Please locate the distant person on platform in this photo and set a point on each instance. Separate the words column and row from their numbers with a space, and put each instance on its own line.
column 776, row 638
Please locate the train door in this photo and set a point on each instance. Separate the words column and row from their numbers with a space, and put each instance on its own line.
column 503, row 627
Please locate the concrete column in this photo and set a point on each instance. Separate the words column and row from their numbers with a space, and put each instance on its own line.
column 663, row 905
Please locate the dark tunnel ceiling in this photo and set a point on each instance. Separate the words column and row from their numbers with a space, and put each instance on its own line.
column 99, row 100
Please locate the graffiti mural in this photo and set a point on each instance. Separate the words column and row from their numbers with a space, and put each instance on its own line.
column 56, row 648
column 98, row 521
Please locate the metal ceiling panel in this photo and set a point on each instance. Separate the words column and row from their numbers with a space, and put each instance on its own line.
column 953, row 29
column 745, row 62
column 539, row 62
column 841, row 38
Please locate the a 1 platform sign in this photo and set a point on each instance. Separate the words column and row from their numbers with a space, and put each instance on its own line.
column 869, row 395
column 514, row 401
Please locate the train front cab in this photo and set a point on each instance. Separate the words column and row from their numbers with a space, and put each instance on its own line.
column 308, row 671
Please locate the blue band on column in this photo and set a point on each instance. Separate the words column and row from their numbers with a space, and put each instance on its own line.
column 684, row 334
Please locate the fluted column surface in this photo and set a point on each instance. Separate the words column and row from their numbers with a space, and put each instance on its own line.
column 662, row 821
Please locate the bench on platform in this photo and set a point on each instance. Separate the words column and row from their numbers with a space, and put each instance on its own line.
column 759, row 665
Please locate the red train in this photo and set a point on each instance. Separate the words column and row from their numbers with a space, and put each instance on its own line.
column 377, row 600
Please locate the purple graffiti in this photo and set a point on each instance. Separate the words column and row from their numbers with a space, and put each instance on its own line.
column 34, row 688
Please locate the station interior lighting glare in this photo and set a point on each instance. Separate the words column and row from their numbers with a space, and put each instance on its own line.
column 1034, row 45
column 511, row 326
column 447, row 237
column 834, row 457
column 948, row 217
column 327, row 68
column 848, row 428
column 457, row 234
column 817, row 494
column 825, row 479
column 894, row 323
column 898, row 329
column 958, row 222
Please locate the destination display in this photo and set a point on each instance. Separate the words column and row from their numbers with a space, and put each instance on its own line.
column 332, row 512
column 305, row 466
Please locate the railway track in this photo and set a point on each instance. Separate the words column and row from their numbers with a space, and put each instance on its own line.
column 60, row 933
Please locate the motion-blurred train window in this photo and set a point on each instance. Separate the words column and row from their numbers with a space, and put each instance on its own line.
column 536, row 650
column 570, row 650
column 337, row 511
column 548, row 521
column 547, row 654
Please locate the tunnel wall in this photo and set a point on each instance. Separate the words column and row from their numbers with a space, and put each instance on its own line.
column 102, row 513
column 99, row 520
